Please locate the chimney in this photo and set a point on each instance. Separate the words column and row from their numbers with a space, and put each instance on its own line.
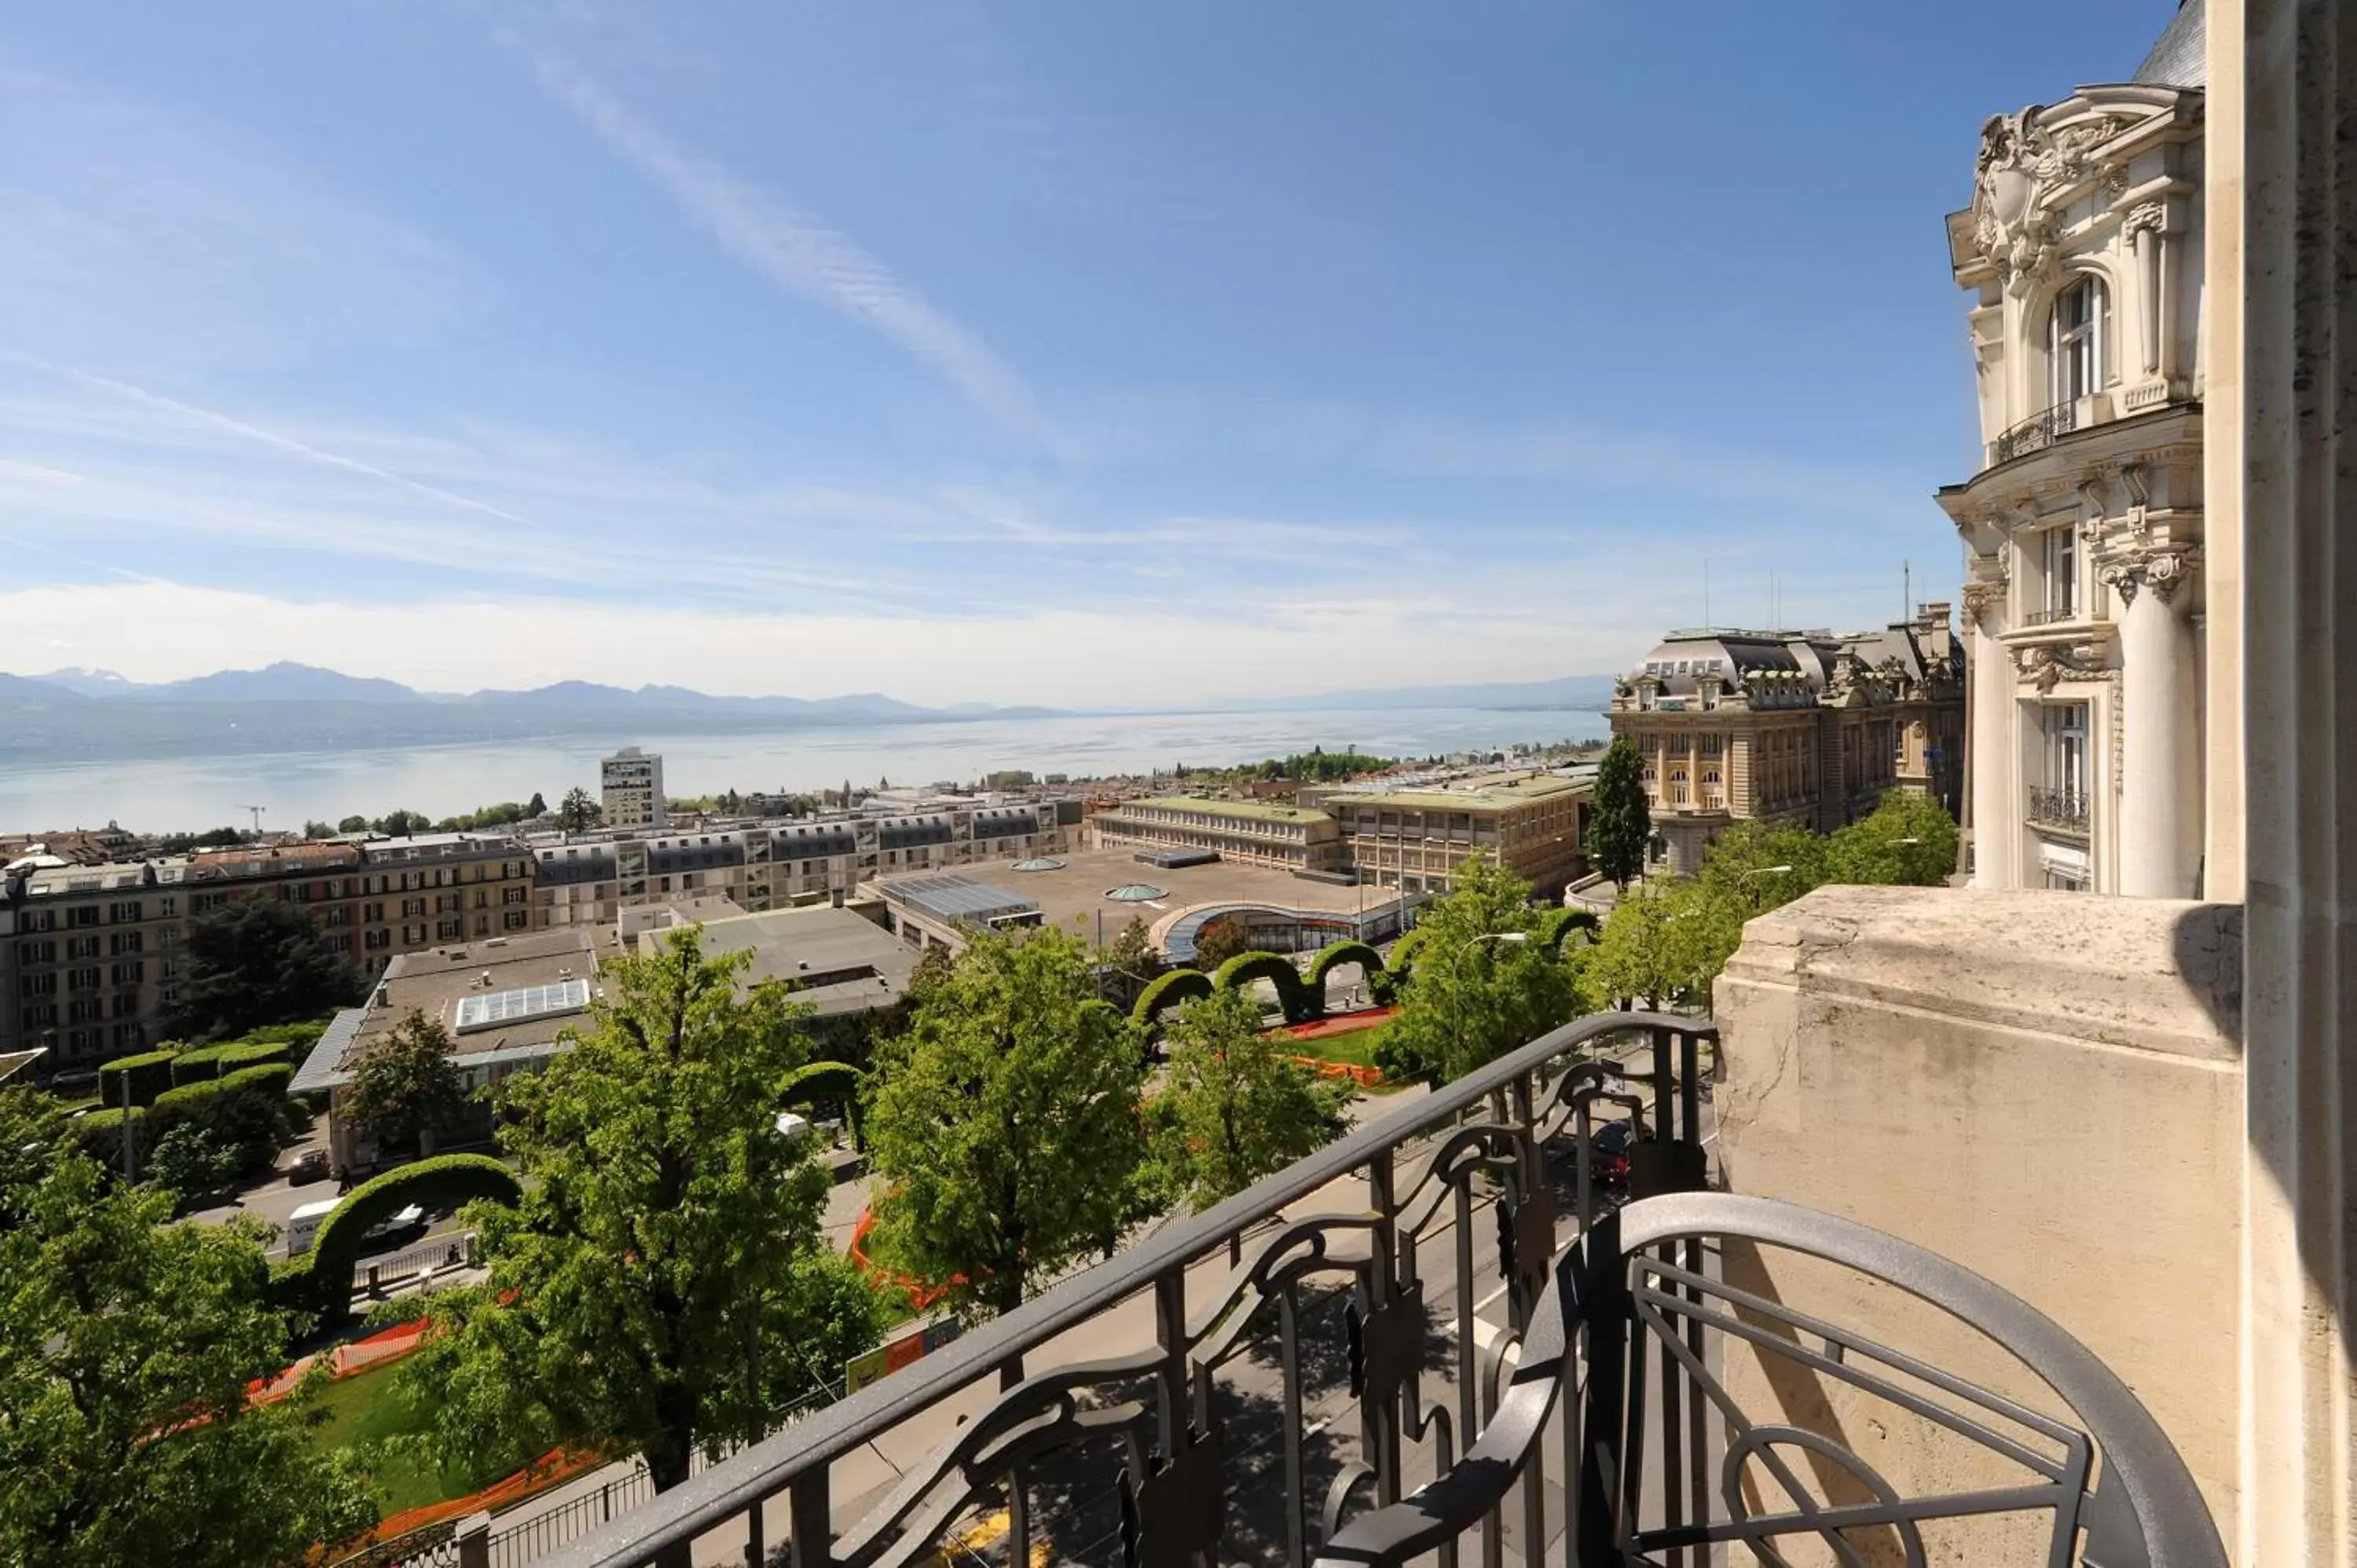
column 1931, row 624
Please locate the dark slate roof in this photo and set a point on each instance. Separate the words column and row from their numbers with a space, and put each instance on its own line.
column 2179, row 58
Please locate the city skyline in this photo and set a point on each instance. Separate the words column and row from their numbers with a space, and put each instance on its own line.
column 940, row 354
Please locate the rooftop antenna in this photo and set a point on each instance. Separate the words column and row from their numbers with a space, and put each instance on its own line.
column 1906, row 589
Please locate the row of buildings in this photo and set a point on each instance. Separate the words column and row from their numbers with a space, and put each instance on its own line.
column 92, row 955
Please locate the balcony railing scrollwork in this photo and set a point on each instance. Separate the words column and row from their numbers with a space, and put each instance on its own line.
column 2038, row 432
column 1499, row 1325
column 2063, row 809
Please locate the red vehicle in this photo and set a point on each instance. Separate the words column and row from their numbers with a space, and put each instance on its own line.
column 1608, row 1153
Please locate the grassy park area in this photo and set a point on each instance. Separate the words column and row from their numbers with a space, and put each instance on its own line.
column 370, row 1408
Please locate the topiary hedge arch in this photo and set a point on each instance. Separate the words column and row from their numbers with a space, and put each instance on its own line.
column 1301, row 1000
column 1166, row 992
column 1370, row 963
column 1403, row 953
column 320, row 1281
column 1555, row 926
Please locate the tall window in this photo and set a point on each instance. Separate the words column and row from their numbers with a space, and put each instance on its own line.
column 2066, row 748
column 2075, row 340
column 2063, row 569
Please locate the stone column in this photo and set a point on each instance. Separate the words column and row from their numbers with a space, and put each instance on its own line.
column 2160, row 807
column 1995, row 768
column 2299, row 597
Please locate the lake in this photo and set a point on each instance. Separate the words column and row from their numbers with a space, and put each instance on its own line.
column 167, row 794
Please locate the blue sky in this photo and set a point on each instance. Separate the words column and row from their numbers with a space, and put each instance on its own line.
column 1020, row 353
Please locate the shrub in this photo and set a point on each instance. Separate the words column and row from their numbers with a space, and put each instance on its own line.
column 1301, row 1000
column 247, row 1110
column 1166, row 991
column 99, row 1135
column 320, row 1281
column 150, row 1073
column 1555, row 926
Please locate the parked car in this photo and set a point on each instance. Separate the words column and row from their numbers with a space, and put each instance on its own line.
column 308, row 1166
column 1608, row 1153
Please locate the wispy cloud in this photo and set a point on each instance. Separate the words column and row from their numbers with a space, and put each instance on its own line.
column 796, row 251
column 255, row 433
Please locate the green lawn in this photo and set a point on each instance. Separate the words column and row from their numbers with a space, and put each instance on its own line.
column 372, row 1407
column 1357, row 1047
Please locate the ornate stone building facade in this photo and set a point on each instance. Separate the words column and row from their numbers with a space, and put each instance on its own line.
column 1804, row 728
column 2085, row 598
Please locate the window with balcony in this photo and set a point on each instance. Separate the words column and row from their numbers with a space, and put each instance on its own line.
column 2062, row 800
column 2075, row 340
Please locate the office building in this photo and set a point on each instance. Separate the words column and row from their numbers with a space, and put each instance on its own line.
column 1415, row 836
column 1252, row 831
column 631, row 791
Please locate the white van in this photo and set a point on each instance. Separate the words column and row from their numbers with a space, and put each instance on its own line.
column 303, row 1225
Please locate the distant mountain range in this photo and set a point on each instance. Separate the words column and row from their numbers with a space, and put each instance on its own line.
column 290, row 683
column 97, row 715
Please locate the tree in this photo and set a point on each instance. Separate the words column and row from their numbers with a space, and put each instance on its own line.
column 1218, row 940
column 252, row 964
column 405, row 1086
column 220, row 838
column 664, row 1287
column 1471, row 997
column 126, row 1345
column 1005, row 1130
column 1233, row 1108
column 317, row 830
column 353, row 824
column 401, row 824
column 578, row 811
column 1620, row 823
column 537, row 807
column 1133, row 961
column 1909, row 840
column 190, row 1163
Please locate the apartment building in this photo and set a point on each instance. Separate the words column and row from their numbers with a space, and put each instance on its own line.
column 770, row 866
column 91, row 963
column 1785, row 727
column 434, row 888
column 631, row 791
column 2082, row 252
column 1253, row 832
column 1414, row 838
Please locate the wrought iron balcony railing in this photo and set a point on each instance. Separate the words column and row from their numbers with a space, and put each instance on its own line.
column 2038, row 432
column 2049, row 616
column 1389, row 1370
column 2064, row 808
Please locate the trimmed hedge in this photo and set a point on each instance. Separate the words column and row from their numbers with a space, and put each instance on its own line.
column 1403, row 953
column 1301, row 1000
column 1555, row 926
column 245, row 1111
column 213, row 1061
column 99, row 1135
column 1166, row 991
column 1370, row 962
column 320, row 1281
column 150, row 1073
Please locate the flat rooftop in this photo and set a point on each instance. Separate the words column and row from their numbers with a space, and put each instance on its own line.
column 1490, row 792
column 839, row 961
column 1076, row 894
column 503, row 994
column 1258, row 810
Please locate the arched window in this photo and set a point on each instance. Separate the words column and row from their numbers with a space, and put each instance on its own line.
column 2075, row 340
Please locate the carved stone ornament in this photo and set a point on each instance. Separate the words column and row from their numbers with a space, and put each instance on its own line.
column 1984, row 591
column 2144, row 215
column 2044, row 664
column 2022, row 162
column 2162, row 571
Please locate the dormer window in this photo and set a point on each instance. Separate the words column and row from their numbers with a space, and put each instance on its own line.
column 2075, row 337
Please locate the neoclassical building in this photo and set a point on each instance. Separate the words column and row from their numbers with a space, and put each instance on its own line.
column 1804, row 728
column 2085, row 595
